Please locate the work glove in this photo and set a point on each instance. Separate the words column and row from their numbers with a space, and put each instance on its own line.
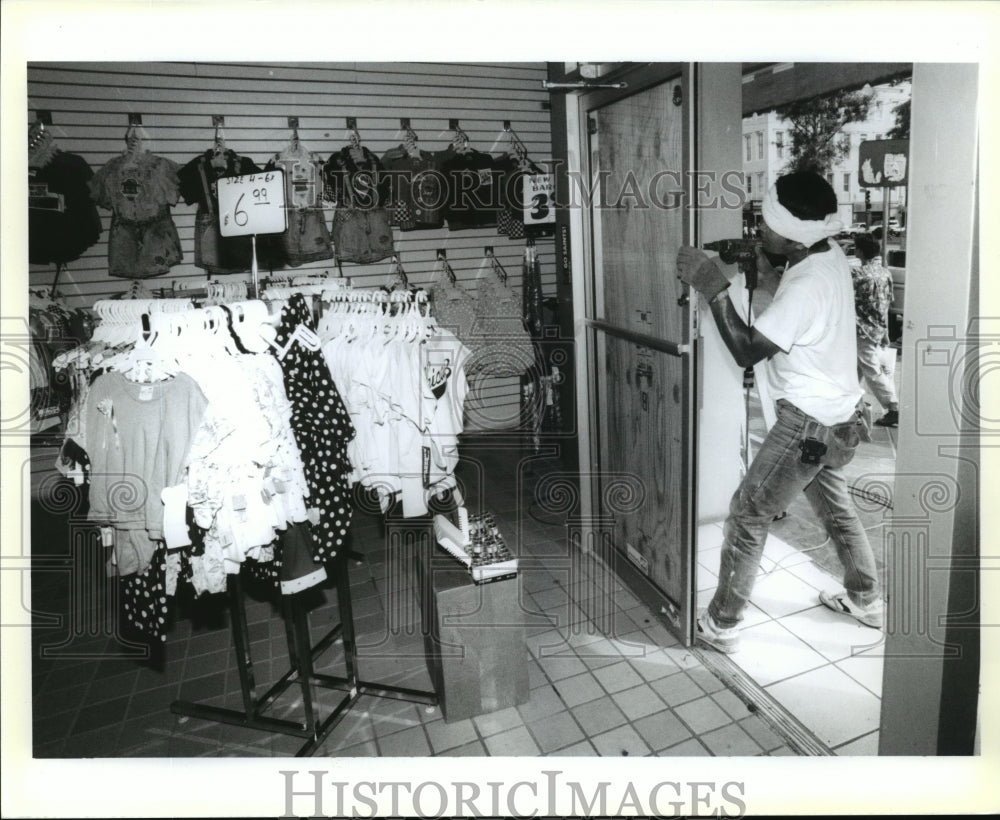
column 696, row 269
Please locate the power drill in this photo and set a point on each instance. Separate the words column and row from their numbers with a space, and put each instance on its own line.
column 743, row 253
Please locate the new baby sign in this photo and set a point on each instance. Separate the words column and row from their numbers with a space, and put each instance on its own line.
column 252, row 204
column 539, row 190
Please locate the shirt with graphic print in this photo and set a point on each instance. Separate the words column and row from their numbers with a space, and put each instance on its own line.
column 872, row 297
column 139, row 188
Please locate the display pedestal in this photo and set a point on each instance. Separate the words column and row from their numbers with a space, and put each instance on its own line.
column 474, row 637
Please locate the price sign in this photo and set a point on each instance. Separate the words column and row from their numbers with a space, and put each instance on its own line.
column 252, row 204
column 538, row 195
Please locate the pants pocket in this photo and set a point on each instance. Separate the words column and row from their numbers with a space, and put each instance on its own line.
column 841, row 443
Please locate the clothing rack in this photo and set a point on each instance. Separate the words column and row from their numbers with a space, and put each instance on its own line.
column 314, row 728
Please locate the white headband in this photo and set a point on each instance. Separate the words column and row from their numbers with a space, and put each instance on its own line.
column 806, row 231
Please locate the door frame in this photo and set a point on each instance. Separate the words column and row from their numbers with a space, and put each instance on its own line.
column 587, row 327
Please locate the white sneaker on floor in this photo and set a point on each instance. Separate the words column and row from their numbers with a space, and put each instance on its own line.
column 722, row 639
column 870, row 615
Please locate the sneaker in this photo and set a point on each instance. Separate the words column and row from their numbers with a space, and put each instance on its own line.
column 890, row 419
column 722, row 639
column 870, row 615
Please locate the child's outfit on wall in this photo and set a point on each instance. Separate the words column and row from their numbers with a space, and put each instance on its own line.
column 199, row 183
column 139, row 188
column 306, row 239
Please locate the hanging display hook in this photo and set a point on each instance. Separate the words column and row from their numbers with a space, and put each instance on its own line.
column 460, row 140
column 399, row 273
column 133, row 136
column 352, row 127
column 220, row 139
column 498, row 268
column 442, row 256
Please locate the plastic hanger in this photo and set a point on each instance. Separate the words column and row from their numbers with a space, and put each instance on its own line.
column 460, row 142
column 410, row 143
column 219, row 159
column 357, row 152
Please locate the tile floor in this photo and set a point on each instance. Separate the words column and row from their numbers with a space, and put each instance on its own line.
column 606, row 677
column 826, row 670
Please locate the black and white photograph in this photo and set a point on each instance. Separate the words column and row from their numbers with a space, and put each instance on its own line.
column 484, row 427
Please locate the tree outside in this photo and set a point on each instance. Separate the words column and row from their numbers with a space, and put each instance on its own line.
column 901, row 130
column 814, row 126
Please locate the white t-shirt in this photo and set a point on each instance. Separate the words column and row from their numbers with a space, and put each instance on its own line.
column 812, row 320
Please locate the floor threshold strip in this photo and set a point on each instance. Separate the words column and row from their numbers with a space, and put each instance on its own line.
column 763, row 704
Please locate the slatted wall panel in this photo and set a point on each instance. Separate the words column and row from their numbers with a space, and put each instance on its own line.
column 90, row 104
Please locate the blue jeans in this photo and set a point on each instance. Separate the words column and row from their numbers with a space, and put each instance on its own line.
column 776, row 474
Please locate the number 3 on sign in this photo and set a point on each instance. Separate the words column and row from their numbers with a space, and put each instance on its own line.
column 252, row 204
column 538, row 190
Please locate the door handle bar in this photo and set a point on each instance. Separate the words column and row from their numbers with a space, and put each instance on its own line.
column 652, row 342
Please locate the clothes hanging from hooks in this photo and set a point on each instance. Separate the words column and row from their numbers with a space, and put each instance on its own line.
column 531, row 287
column 416, row 191
column 500, row 344
column 473, row 189
column 62, row 218
column 306, row 238
column 51, row 331
column 542, row 407
column 139, row 189
column 454, row 306
column 216, row 254
column 360, row 191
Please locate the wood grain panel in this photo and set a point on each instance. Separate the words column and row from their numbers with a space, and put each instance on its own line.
column 642, row 458
column 638, row 140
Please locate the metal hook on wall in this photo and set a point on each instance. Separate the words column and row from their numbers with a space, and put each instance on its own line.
column 442, row 256
column 497, row 266
column 399, row 273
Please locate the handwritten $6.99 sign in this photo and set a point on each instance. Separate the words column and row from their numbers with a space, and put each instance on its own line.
column 252, row 204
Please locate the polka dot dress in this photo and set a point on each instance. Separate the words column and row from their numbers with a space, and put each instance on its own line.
column 322, row 430
column 144, row 597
